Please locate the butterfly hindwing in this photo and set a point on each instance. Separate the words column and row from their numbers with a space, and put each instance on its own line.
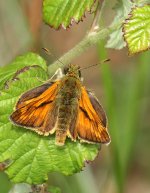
column 92, row 123
column 98, row 108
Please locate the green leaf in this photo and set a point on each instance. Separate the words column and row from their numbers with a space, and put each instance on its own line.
column 122, row 9
column 58, row 13
column 33, row 156
column 7, row 72
column 53, row 189
column 137, row 30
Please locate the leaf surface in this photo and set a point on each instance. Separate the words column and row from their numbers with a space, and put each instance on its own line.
column 137, row 30
column 63, row 13
column 7, row 72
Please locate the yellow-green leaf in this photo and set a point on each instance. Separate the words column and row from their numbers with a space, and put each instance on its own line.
column 137, row 30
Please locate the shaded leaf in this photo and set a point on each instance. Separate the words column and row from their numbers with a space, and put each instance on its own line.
column 32, row 155
column 137, row 30
column 122, row 8
column 58, row 13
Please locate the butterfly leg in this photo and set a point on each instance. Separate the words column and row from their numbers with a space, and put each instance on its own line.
column 57, row 75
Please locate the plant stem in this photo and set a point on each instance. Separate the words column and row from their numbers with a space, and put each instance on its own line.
column 95, row 25
column 87, row 42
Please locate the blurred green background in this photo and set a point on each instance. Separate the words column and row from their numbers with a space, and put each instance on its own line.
column 122, row 86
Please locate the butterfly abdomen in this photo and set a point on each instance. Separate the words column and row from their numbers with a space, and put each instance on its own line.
column 68, row 104
column 63, row 122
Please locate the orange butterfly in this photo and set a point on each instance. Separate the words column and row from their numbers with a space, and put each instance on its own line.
column 63, row 106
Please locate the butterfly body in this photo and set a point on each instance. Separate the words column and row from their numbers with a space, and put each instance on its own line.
column 67, row 102
column 64, row 107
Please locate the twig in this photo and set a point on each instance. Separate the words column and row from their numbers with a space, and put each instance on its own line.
column 96, row 22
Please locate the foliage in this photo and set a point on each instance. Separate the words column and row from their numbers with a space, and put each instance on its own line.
column 130, row 14
column 129, row 26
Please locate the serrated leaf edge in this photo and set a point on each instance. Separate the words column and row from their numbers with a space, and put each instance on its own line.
column 123, row 30
column 72, row 20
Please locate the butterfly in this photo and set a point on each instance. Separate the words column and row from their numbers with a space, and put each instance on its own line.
column 64, row 107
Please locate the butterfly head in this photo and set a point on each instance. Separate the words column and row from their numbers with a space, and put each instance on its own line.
column 72, row 70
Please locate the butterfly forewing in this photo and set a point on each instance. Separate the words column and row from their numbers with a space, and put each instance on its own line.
column 33, row 93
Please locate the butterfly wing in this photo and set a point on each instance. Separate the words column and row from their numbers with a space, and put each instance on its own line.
column 36, row 109
column 92, row 123
column 33, row 93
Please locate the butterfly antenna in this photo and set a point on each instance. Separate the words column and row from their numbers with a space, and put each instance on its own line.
column 50, row 54
column 103, row 61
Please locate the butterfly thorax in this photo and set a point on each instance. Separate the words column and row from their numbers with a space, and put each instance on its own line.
column 67, row 101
